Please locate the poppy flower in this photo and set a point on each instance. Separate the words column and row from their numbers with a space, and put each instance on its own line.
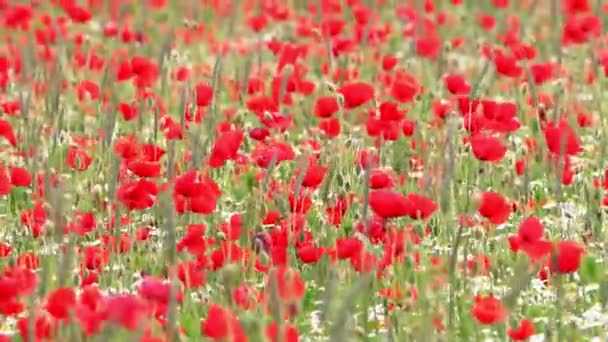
column 457, row 84
column 522, row 332
column 579, row 29
column 77, row 13
column 289, row 283
column 60, row 302
column 9, row 287
column 289, row 333
column 422, row 207
column 193, row 241
column 389, row 111
column 194, row 193
column 405, row 87
column 245, row 297
column 542, row 72
column 428, row 46
column 488, row 148
column 126, row 310
column 494, row 207
column 506, row 64
column 568, row 256
column 128, row 111
column 204, row 94
column 138, row 195
column 226, row 147
column 259, row 133
column 356, row 94
column 20, row 177
column 258, row 22
column 364, row 262
column 309, row 254
column 314, row 174
column 5, row 249
column 144, row 168
column 280, row 152
column 488, row 310
column 44, row 328
column 325, row 106
column 390, row 204
column 6, row 131
column 389, row 62
column 520, row 166
column 562, row 136
column 78, row 159
column 347, row 247
column 380, row 179
column 331, row 127
column 5, row 182
column 531, row 229
column 222, row 324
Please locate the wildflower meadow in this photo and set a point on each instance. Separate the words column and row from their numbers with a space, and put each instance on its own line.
column 303, row 170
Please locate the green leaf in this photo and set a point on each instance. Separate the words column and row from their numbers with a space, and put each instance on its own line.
column 590, row 271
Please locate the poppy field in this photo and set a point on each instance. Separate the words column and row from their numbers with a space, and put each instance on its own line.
column 324, row 170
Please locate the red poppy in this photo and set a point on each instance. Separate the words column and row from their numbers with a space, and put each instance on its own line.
column 290, row 285
column 191, row 274
column 5, row 182
column 285, row 333
column 356, row 94
column 126, row 310
column 20, row 177
column 78, row 159
column 331, row 127
column 405, row 87
column 326, row 106
column 222, row 324
column 522, row 332
column 309, row 254
column 488, row 148
column 60, row 302
column 380, row 179
column 144, row 168
column 488, row 310
column 457, row 84
column 226, row 147
column 494, row 207
column 562, row 138
column 44, row 328
column 347, row 247
column 568, row 256
column 422, row 207
column 204, row 94
column 390, row 204
column 193, row 241
column 138, row 195
column 245, row 297
column 314, row 174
